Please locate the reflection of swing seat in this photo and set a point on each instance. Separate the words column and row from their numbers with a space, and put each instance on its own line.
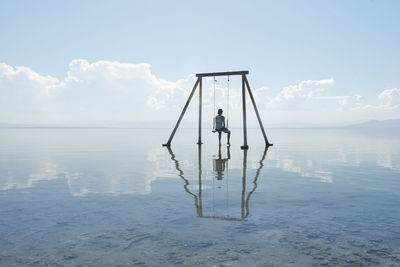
column 219, row 165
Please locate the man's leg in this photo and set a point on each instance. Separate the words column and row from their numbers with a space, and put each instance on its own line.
column 229, row 137
column 219, row 137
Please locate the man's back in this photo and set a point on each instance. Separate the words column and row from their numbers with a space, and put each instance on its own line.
column 219, row 122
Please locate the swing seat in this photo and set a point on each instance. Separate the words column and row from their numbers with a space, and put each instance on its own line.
column 218, row 131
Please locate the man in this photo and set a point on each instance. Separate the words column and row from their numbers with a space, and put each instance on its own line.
column 219, row 126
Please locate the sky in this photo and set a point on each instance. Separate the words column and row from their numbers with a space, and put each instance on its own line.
column 111, row 62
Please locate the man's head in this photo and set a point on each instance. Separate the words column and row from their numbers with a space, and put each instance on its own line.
column 220, row 111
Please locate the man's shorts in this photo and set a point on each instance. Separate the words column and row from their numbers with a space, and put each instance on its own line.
column 225, row 130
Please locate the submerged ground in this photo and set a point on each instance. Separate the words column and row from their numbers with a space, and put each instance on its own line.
column 117, row 197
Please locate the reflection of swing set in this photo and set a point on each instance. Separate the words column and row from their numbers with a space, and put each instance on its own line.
column 245, row 84
column 198, row 199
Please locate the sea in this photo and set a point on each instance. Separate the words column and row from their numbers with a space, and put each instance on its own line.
column 117, row 197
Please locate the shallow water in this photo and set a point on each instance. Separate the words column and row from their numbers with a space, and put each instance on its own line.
column 117, row 197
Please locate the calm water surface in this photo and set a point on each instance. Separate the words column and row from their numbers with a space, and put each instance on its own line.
column 117, row 197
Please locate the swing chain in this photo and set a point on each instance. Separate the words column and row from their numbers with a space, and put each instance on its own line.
column 227, row 112
column 215, row 81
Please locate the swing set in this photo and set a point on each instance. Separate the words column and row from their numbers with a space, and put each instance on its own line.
column 199, row 83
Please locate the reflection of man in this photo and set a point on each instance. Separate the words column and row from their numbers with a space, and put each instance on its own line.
column 220, row 163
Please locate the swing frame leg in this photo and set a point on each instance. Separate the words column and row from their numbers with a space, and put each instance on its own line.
column 200, row 108
column 267, row 144
column 245, row 146
column 182, row 113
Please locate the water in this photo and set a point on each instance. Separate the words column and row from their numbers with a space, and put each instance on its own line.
column 117, row 197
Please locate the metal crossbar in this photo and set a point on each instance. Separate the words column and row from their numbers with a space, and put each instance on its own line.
column 226, row 73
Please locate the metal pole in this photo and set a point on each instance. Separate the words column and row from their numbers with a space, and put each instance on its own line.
column 245, row 146
column 258, row 115
column 182, row 113
column 200, row 108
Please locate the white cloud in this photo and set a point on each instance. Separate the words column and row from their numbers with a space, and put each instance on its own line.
column 170, row 95
column 98, row 91
column 22, row 85
column 309, row 89
column 24, row 76
column 307, row 101
column 312, row 100
column 350, row 102
column 389, row 100
column 110, row 91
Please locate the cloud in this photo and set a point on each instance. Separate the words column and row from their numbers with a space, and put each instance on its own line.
column 312, row 100
column 20, row 86
column 308, row 89
column 350, row 102
column 116, row 92
column 307, row 101
column 124, row 85
column 90, row 92
column 170, row 95
column 25, row 78
column 389, row 100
